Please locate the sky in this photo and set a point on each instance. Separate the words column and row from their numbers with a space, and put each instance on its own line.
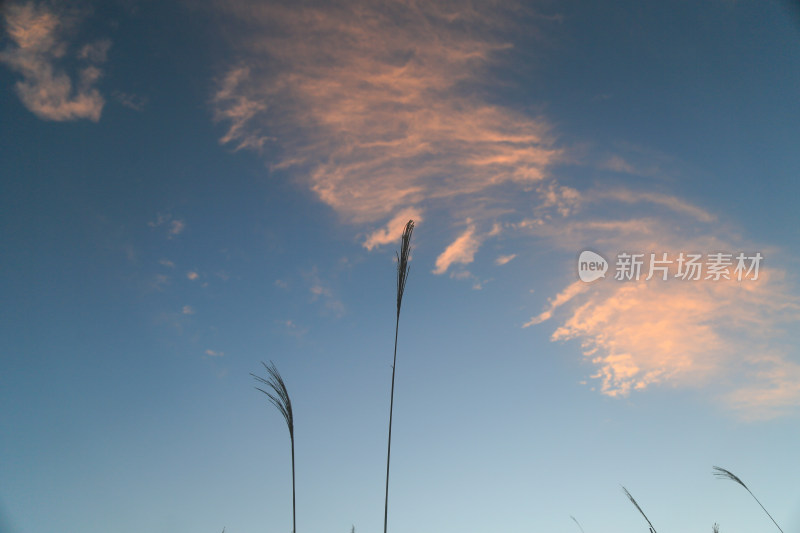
column 190, row 189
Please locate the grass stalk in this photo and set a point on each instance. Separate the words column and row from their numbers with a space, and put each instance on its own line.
column 279, row 397
column 633, row 501
column 721, row 473
column 402, row 275
column 576, row 521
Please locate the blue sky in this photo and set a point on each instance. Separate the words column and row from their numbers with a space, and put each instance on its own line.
column 189, row 189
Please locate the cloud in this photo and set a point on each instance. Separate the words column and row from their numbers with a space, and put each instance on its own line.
column 504, row 259
column 187, row 310
column 166, row 262
column 39, row 46
column 391, row 233
column 381, row 109
column 563, row 297
column 564, row 199
column 174, row 226
column 461, row 251
column 723, row 336
column 320, row 292
column 291, row 328
column 213, row 353
column 131, row 101
column 671, row 202
column 192, row 275
column 385, row 112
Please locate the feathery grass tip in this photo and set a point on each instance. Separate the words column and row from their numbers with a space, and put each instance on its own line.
column 721, row 473
column 402, row 262
column 280, row 399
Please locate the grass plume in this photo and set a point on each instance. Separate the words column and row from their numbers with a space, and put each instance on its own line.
column 279, row 397
column 721, row 473
column 633, row 501
column 403, row 269
column 576, row 521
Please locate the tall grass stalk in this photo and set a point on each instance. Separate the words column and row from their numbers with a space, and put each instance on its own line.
column 576, row 521
column 402, row 275
column 628, row 494
column 725, row 474
column 279, row 397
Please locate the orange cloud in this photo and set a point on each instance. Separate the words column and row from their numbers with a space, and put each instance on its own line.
column 37, row 33
column 722, row 334
column 391, row 233
column 379, row 105
column 504, row 259
column 462, row 251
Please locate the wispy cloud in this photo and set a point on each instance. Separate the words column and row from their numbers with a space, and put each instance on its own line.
column 214, row 353
column 40, row 51
column 382, row 110
column 192, row 275
column 504, row 259
column 723, row 336
column 322, row 293
column 174, row 226
column 293, row 329
column 187, row 310
column 382, row 106
column 673, row 203
column 462, row 251
column 131, row 101
column 391, row 233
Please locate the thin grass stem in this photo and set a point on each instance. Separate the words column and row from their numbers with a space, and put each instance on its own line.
column 403, row 269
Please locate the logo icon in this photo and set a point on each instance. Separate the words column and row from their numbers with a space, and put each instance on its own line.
column 591, row 266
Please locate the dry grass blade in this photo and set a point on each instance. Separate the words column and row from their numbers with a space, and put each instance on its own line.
column 633, row 501
column 715, row 528
column 721, row 473
column 279, row 397
column 576, row 521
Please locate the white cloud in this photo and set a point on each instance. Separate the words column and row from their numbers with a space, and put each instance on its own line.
column 192, row 275
column 214, row 353
column 187, row 310
column 39, row 47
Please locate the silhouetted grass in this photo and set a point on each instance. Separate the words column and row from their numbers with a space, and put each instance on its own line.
column 576, row 521
column 402, row 275
column 725, row 474
column 633, row 501
column 280, row 399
